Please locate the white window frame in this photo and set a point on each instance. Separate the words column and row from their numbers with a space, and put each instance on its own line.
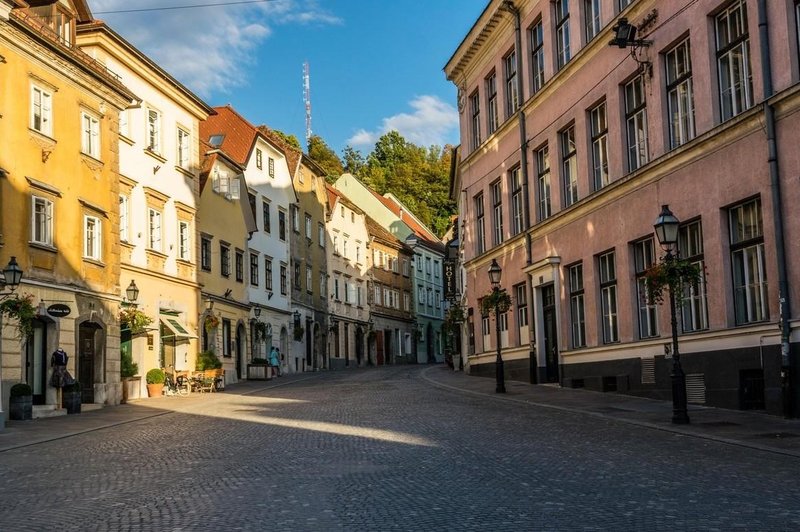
column 511, row 94
column 153, row 132
column 694, row 312
column 680, row 94
column 475, row 113
column 154, row 229
column 569, row 165
column 41, row 221
column 644, row 256
column 733, row 60
column 41, row 119
column 608, row 297
column 492, row 118
column 515, row 181
column 90, row 134
column 576, row 306
column 124, row 217
column 497, row 212
column 748, row 262
column 598, row 119
column 92, row 237
column 480, row 222
column 544, row 205
column 562, row 33
column 591, row 14
column 183, row 143
column 184, row 241
column 636, row 123
column 536, row 36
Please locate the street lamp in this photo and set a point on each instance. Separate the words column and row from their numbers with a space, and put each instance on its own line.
column 257, row 311
column 12, row 275
column 666, row 227
column 495, row 272
column 132, row 293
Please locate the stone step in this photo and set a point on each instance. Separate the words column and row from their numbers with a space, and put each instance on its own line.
column 42, row 411
column 88, row 407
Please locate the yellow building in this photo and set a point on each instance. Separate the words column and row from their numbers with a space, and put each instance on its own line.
column 59, row 191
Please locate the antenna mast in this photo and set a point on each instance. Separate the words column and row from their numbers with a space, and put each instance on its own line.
column 307, row 101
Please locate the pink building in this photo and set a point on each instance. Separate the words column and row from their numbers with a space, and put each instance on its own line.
column 570, row 145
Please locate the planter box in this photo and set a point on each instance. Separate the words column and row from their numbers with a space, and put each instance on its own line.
column 131, row 388
column 72, row 402
column 20, row 408
column 258, row 372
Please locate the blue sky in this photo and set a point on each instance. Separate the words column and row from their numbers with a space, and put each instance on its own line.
column 375, row 65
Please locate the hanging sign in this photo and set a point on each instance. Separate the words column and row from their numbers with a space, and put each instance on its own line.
column 59, row 310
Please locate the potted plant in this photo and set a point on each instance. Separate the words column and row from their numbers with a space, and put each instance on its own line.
column 134, row 320
column 211, row 322
column 21, row 403
column 155, row 382
column 207, row 360
column 258, row 369
column 20, row 308
column 71, row 397
column 127, row 371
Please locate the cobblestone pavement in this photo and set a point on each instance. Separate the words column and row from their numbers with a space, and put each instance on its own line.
column 386, row 449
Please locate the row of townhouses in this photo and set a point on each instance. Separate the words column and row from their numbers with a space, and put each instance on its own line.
column 579, row 120
column 123, row 193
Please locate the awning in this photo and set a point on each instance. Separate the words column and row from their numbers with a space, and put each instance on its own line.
column 176, row 327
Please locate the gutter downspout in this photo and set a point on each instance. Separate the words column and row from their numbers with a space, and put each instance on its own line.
column 777, row 205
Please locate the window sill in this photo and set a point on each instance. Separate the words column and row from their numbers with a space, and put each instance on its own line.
column 185, row 262
column 94, row 262
column 91, row 161
column 184, row 171
column 127, row 244
column 157, row 156
column 155, row 252
column 126, row 139
column 44, row 247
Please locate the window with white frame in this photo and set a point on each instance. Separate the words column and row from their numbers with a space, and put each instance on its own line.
column 309, row 279
column 271, row 166
column 733, row 60
column 492, row 117
column 694, row 310
column 622, row 4
column 591, row 13
column 636, row 123
column 644, row 256
column 608, row 297
column 515, row 180
column 436, row 269
column 480, row 223
column 154, row 229
column 577, row 313
column 321, row 234
column 543, row 210
column 378, row 295
column 154, row 131
column 503, row 329
column 359, row 300
column 536, row 34
column 295, row 212
column 184, row 241
column 92, row 237
column 748, row 264
column 259, row 159
column 124, row 217
column 308, row 226
column 497, row 212
column 184, row 147
column 406, row 301
column 680, row 95
column 124, row 123
column 521, row 293
column 266, row 217
column 283, row 279
column 599, row 129
column 562, row 32
column 323, row 285
column 486, row 330
column 429, row 297
column 569, row 165
column 406, row 268
column 437, row 298
column 239, row 266
column 336, row 295
column 254, row 262
column 90, row 134
column 421, row 296
column 296, row 274
column 512, row 94
column 281, row 224
column 268, row 273
column 42, row 221
column 41, row 110
column 428, row 269
column 475, row 113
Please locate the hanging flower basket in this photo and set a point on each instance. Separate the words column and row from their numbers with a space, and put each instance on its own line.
column 134, row 320
column 211, row 322
column 20, row 308
column 672, row 273
column 298, row 332
column 260, row 329
column 497, row 300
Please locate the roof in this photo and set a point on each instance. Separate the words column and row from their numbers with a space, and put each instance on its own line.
column 291, row 153
column 405, row 216
column 239, row 134
column 335, row 195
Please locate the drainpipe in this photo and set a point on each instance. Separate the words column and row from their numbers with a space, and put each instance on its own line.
column 509, row 6
column 777, row 205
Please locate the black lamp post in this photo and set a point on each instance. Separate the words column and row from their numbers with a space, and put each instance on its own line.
column 132, row 293
column 495, row 272
column 666, row 227
column 12, row 275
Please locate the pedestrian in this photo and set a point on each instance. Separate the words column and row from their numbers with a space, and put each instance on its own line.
column 275, row 361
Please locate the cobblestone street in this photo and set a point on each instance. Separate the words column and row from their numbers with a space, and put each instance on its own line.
column 385, row 449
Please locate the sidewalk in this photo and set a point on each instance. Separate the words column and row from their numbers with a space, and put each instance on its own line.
column 742, row 428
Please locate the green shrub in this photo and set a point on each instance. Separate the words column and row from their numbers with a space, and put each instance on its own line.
column 207, row 360
column 128, row 368
column 20, row 390
column 155, row 376
column 259, row 361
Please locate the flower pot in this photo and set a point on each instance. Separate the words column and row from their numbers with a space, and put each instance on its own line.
column 154, row 390
column 21, row 408
column 71, row 400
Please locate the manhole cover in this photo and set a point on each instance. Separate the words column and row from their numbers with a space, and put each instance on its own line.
column 777, row 435
column 719, row 424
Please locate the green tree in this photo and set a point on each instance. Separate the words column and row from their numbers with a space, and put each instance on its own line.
column 291, row 140
column 354, row 161
column 324, row 156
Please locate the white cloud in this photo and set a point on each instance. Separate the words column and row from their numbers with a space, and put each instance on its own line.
column 431, row 122
column 207, row 49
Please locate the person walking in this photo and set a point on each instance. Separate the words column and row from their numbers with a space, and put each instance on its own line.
column 274, row 361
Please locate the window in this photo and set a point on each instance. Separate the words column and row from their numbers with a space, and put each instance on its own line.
column 517, row 222
column 239, row 266
column 480, row 237
column 437, row 298
column 321, row 235
column 153, row 131
column 259, row 159
column 537, row 57
column 543, row 183
column 497, row 212
column 569, row 166
column 436, row 269
column 284, row 280
column 694, row 312
column 154, row 230
column 591, row 12
column 644, row 256
column 636, row 123
column 205, row 253
column 680, row 97
column 335, row 244
column 733, row 60
column 124, row 218
column 308, row 226
column 184, row 241
column 90, row 135
column 358, row 254
column 747, row 261
column 344, row 248
column 124, row 124
column 406, row 268
column 341, row 211
column 599, row 128
column 491, row 104
column 428, row 266
column 226, row 338
column 521, row 293
column 225, row 260
column 378, row 296
column 254, row 269
column 296, row 275
column 622, row 4
column 511, row 95
column 295, row 218
column 608, row 297
column 486, row 330
column 266, row 217
column 268, row 273
column 475, row 111
column 309, row 280
column 430, row 297
column 349, row 293
column 271, row 166
column 41, row 111
column 183, row 148
column 562, row 32
column 323, row 285
column 92, row 237
column 42, row 221
column 576, row 310
column 420, row 295
column 281, row 224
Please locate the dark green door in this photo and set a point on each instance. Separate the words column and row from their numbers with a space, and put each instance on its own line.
column 550, row 339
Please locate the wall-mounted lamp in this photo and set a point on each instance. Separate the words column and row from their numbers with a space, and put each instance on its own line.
column 132, row 293
column 257, row 311
column 209, row 304
column 12, row 275
column 625, row 35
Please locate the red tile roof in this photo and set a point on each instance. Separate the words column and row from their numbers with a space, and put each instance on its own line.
column 404, row 215
column 239, row 133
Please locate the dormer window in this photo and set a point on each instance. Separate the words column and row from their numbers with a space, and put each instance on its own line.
column 216, row 140
column 58, row 19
